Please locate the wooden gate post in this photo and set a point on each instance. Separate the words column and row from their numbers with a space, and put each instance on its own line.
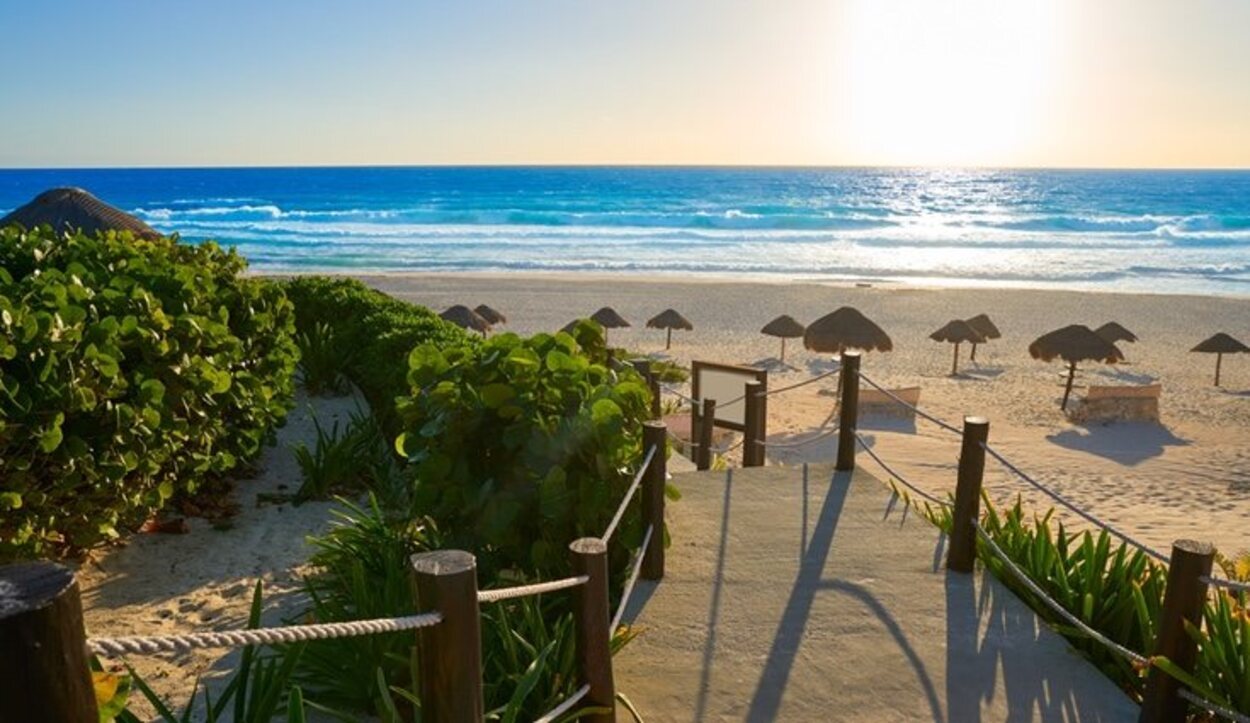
column 654, row 434
column 755, row 423
column 707, row 422
column 1182, row 603
column 848, row 396
column 591, row 620
column 449, row 654
column 44, row 674
column 963, row 545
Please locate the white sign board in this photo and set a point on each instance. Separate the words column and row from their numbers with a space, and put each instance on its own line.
column 726, row 386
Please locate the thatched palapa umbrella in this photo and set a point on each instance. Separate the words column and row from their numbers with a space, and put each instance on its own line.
column 1219, row 345
column 72, row 209
column 982, row 325
column 464, row 317
column 845, row 329
column 1073, row 344
column 669, row 319
column 784, row 327
column 1114, row 333
column 608, row 319
column 491, row 316
column 957, row 332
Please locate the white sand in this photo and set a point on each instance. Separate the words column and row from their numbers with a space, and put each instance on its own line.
column 161, row 584
column 1186, row 477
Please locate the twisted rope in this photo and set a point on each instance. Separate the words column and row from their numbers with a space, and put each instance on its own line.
column 800, row 443
column 725, row 450
column 1226, row 584
column 538, row 588
column 635, row 569
column 1072, row 506
column 629, row 495
column 803, row 383
column 1023, row 579
column 564, row 707
column 673, row 390
column 893, row 473
column 152, row 644
column 1213, row 707
column 944, row 425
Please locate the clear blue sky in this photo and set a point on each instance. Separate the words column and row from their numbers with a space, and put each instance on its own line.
column 279, row 82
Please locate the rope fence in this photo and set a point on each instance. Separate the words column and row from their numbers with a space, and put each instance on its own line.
column 154, row 644
column 863, row 444
column 538, row 588
column 565, row 707
column 634, row 571
column 918, row 411
column 629, row 495
column 1074, row 508
column 799, row 443
column 1213, row 707
column 1226, row 584
column 1055, row 605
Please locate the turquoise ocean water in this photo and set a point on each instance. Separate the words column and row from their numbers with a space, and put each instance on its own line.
column 1166, row 231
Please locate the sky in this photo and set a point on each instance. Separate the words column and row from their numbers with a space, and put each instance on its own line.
column 1057, row 83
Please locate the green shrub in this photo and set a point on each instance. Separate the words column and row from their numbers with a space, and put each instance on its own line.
column 380, row 329
column 324, row 360
column 523, row 445
column 129, row 370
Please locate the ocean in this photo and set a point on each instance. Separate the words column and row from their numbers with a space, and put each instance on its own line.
column 1158, row 231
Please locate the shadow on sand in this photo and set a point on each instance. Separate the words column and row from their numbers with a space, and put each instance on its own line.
column 1127, row 443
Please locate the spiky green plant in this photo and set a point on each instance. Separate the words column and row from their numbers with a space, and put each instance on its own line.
column 324, row 359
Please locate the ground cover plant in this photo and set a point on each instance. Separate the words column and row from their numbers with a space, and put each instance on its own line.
column 130, row 370
column 1117, row 590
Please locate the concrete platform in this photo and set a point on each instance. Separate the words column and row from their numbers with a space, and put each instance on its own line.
column 811, row 597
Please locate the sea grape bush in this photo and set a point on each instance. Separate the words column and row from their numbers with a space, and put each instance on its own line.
column 375, row 331
column 129, row 370
column 521, row 446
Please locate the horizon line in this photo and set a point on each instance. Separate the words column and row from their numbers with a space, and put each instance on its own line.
column 673, row 166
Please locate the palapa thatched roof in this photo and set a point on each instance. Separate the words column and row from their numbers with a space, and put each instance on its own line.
column 71, row 209
column 785, row 327
column 983, row 326
column 845, row 329
column 1221, row 343
column 669, row 319
column 491, row 316
column 1114, row 332
column 1075, row 343
column 463, row 316
column 570, row 327
column 609, row 319
column 958, row 331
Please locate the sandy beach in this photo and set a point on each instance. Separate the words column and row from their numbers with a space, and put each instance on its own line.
column 1186, row 477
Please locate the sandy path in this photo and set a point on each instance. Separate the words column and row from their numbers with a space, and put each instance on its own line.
column 164, row 584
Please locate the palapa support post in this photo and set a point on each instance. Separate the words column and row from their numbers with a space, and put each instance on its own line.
column 963, row 545
column 1218, row 358
column 707, row 422
column 44, row 673
column 1182, row 603
column 591, row 621
column 753, row 416
column 848, row 396
column 654, row 434
column 449, row 654
column 1067, row 390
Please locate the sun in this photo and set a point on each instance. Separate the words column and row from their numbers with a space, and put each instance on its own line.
column 937, row 82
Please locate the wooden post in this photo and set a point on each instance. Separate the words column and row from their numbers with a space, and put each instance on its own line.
column 848, row 395
column 653, row 482
column 754, row 434
column 1182, row 603
column 955, row 361
column 653, row 383
column 591, row 619
column 963, row 545
column 707, row 422
column 44, row 675
column 449, row 654
column 1218, row 358
column 1067, row 390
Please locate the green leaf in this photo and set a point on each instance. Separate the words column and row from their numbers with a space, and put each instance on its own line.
column 494, row 395
column 50, row 438
column 10, row 501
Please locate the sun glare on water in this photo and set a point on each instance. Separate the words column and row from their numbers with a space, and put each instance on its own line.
column 942, row 83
